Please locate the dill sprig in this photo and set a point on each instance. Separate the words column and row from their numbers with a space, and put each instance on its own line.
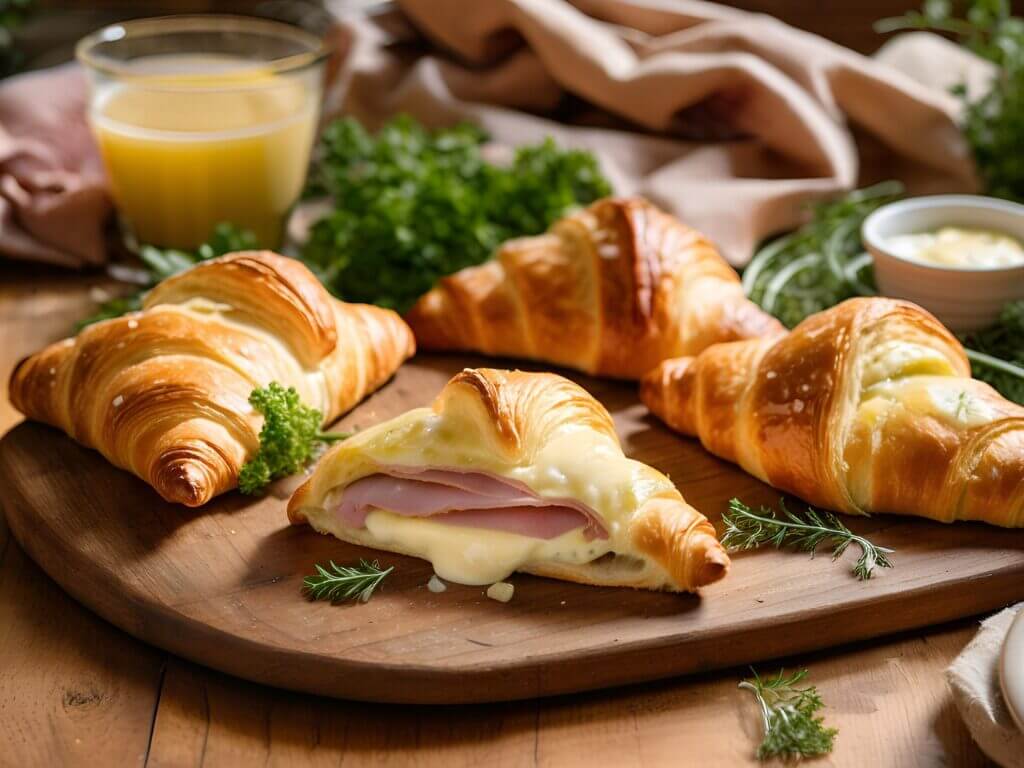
column 345, row 582
column 746, row 529
column 791, row 728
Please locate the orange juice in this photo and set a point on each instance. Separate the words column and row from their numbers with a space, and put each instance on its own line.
column 200, row 139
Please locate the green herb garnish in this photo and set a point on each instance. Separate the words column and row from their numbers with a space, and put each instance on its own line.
column 412, row 205
column 820, row 264
column 746, row 529
column 993, row 123
column 163, row 263
column 997, row 353
column 791, row 728
column 345, row 582
column 289, row 437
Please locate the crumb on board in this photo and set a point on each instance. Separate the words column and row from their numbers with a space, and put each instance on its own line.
column 502, row 591
column 435, row 585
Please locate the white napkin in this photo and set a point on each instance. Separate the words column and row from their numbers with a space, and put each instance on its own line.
column 974, row 678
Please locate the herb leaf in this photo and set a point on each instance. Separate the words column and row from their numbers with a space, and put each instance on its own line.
column 820, row 264
column 791, row 728
column 997, row 353
column 163, row 263
column 746, row 529
column 288, row 439
column 345, row 582
column 413, row 205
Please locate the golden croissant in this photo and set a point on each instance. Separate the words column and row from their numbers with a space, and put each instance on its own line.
column 164, row 392
column 611, row 291
column 511, row 471
column 867, row 407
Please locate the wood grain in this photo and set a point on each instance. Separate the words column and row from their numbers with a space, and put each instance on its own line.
column 221, row 585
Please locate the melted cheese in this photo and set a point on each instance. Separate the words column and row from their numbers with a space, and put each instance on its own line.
column 576, row 463
column 898, row 359
column 474, row 555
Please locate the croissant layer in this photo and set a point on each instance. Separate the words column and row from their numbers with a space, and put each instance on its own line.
column 612, row 290
column 537, row 436
column 868, row 407
column 164, row 392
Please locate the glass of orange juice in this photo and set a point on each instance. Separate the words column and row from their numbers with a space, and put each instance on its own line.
column 202, row 120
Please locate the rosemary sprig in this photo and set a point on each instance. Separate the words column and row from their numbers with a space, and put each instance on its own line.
column 788, row 712
column 746, row 529
column 345, row 582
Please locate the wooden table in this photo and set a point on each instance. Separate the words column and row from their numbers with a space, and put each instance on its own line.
column 76, row 691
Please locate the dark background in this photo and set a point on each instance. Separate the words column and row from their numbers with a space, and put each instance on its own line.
column 49, row 35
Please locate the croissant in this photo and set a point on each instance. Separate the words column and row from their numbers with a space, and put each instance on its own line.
column 511, row 471
column 164, row 392
column 868, row 407
column 611, row 291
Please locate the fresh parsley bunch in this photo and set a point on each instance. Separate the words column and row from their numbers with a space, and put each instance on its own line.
column 412, row 205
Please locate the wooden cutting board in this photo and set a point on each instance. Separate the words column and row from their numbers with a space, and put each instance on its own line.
column 221, row 585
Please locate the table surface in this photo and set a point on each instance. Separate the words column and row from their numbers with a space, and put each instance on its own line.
column 74, row 690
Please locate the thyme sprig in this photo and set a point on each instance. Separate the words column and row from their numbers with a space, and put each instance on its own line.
column 791, row 727
column 345, row 582
column 746, row 529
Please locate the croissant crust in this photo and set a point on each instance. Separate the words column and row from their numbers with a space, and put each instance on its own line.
column 611, row 291
column 866, row 407
column 164, row 392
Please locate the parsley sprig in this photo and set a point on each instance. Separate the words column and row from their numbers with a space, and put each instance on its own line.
column 747, row 529
column 792, row 727
column 288, row 439
column 345, row 582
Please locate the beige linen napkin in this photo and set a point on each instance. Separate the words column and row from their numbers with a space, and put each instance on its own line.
column 732, row 120
column 974, row 679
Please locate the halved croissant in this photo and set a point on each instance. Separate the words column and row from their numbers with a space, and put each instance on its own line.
column 866, row 407
column 164, row 392
column 511, row 471
column 612, row 291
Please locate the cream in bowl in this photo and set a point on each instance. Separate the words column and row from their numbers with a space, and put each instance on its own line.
column 959, row 256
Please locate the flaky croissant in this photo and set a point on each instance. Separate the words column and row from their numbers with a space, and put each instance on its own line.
column 867, row 407
column 612, row 291
column 511, row 471
column 164, row 392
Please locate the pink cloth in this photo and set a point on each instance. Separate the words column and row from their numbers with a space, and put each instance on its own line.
column 53, row 198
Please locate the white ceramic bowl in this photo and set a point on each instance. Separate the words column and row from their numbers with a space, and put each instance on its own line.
column 1011, row 670
column 963, row 298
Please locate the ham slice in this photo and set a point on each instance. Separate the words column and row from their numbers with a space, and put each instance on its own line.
column 469, row 499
